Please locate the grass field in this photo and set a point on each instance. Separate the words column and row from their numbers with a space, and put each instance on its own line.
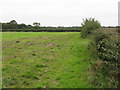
column 45, row 60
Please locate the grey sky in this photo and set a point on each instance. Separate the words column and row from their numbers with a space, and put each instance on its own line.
column 59, row 12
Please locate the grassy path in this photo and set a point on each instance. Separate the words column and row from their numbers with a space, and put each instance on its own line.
column 39, row 60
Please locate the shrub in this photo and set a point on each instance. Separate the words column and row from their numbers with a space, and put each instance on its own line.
column 88, row 26
column 105, row 75
column 107, row 47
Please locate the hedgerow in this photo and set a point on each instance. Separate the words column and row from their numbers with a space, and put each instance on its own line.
column 43, row 30
column 105, row 47
column 107, row 66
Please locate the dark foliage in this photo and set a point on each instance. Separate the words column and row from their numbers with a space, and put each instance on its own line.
column 107, row 67
column 88, row 26
column 14, row 27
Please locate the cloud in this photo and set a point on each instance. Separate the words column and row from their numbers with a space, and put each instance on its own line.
column 59, row 12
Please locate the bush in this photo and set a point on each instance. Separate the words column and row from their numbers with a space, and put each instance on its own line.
column 88, row 26
column 105, row 75
column 107, row 46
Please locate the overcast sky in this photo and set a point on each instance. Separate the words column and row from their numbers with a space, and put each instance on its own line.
column 59, row 12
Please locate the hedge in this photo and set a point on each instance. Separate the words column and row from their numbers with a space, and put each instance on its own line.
column 41, row 30
column 107, row 45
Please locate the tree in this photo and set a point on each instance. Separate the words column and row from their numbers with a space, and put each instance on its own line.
column 13, row 22
column 21, row 26
column 88, row 26
column 29, row 26
column 36, row 24
column 6, row 25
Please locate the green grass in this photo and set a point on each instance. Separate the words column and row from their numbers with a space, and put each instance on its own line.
column 45, row 60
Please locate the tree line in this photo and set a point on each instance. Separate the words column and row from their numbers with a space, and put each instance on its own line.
column 14, row 26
